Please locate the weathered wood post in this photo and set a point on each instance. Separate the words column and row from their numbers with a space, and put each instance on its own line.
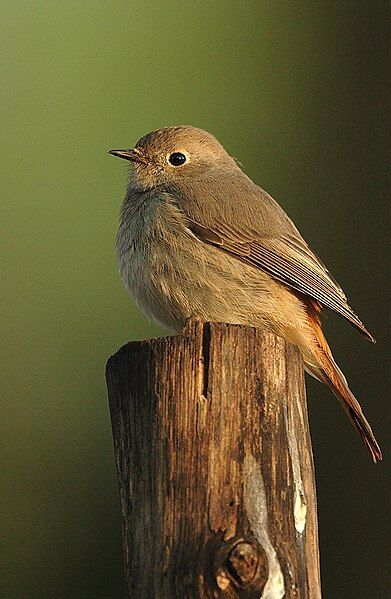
column 215, row 467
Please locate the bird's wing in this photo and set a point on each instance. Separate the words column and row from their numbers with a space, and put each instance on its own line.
column 286, row 257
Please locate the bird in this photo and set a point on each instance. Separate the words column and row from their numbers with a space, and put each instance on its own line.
column 197, row 237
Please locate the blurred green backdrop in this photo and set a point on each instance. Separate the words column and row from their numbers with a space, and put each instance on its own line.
column 295, row 90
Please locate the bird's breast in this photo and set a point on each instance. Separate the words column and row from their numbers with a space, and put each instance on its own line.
column 153, row 247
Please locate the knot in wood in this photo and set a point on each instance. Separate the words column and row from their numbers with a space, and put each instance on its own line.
column 243, row 562
column 247, row 564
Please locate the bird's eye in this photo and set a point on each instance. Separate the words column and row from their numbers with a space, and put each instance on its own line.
column 177, row 159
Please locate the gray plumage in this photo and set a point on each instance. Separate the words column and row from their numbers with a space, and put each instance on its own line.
column 200, row 238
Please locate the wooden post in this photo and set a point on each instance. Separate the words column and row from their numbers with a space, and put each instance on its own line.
column 215, row 467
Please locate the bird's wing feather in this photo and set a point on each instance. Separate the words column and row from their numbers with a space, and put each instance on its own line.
column 286, row 258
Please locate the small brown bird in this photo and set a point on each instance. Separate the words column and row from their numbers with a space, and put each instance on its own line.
column 198, row 238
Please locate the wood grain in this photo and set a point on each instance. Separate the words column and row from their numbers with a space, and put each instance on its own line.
column 215, row 466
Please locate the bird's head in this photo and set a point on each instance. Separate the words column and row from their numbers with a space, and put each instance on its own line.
column 169, row 155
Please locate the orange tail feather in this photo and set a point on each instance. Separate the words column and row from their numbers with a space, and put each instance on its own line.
column 329, row 373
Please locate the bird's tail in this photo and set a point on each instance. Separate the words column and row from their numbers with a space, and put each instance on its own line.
column 329, row 373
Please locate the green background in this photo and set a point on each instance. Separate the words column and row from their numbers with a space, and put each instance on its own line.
column 294, row 90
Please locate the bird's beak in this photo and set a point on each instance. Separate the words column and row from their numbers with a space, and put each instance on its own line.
column 130, row 154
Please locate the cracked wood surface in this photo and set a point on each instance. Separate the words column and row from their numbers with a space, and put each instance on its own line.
column 215, row 467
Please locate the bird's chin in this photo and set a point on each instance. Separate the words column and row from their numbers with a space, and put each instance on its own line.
column 145, row 177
